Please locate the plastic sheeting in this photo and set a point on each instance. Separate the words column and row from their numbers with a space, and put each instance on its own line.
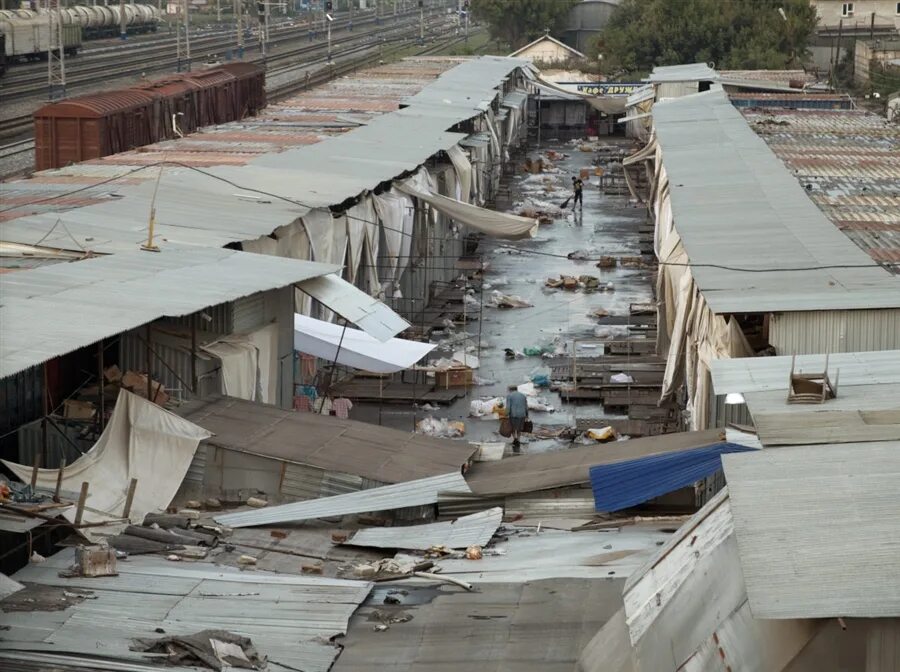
column 141, row 441
column 623, row 484
column 495, row 224
column 357, row 349
column 249, row 364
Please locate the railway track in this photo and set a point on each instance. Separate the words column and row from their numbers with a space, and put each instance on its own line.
column 12, row 161
column 26, row 81
column 308, row 54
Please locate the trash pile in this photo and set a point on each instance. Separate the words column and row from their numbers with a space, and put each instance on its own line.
column 212, row 649
column 441, row 428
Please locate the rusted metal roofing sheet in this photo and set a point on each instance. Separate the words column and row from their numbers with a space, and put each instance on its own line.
column 326, row 442
column 817, row 530
column 848, row 162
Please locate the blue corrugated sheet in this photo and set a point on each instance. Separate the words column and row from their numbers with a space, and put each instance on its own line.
column 623, row 484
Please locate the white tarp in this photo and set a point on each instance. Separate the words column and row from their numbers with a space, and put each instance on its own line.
column 358, row 349
column 249, row 364
column 397, row 216
column 463, row 171
column 141, row 441
column 369, row 314
column 495, row 224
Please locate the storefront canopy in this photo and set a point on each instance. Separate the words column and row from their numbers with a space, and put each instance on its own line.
column 357, row 349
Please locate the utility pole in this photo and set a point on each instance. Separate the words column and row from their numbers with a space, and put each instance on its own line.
column 123, row 30
column 421, row 21
column 466, row 7
column 56, row 63
column 329, row 8
column 187, row 33
column 239, row 17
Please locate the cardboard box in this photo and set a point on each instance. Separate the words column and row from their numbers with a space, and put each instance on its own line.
column 455, row 377
column 78, row 410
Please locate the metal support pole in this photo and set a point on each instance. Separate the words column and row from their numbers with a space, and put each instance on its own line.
column 59, row 475
column 328, row 29
column 102, row 385
column 34, row 470
column 421, row 24
column 45, row 411
column 148, row 355
column 194, row 380
column 239, row 22
column 123, row 30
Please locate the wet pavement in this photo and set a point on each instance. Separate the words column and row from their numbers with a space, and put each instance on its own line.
column 558, row 319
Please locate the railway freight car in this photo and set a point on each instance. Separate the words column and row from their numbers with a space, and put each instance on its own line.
column 97, row 125
column 96, row 21
column 29, row 39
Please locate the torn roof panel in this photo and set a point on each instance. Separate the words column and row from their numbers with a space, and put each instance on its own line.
column 555, row 469
column 836, row 505
column 326, row 442
column 290, row 619
column 476, row 529
column 398, row 496
column 53, row 310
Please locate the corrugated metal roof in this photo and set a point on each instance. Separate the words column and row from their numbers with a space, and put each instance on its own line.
column 539, row 626
column 624, row 484
column 817, row 529
column 197, row 209
column 399, row 496
column 325, row 442
column 867, row 406
column 460, row 533
column 556, row 469
column 50, row 311
column 847, row 162
column 735, row 205
column 760, row 374
column 290, row 619
column 689, row 72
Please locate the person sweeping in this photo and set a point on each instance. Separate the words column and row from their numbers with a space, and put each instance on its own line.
column 517, row 412
column 577, row 189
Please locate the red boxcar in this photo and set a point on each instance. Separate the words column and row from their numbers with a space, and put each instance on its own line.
column 100, row 124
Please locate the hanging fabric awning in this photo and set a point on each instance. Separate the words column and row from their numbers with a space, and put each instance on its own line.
column 495, row 224
column 358, row 349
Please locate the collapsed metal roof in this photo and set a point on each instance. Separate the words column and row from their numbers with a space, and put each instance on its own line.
column 476, row 529
column 817, row 529
column 736, row 206
column 51, row 311
column 290, row 619
column 326, row 442
column 398, row 496
column 688, row 72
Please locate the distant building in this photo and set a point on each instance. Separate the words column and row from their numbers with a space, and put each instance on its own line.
column 586, row 20
column 879, row 55
column 547, row 49
column 858, row 16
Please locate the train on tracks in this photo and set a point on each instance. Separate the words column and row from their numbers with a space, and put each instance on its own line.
column 26, row 32
column 100, row 124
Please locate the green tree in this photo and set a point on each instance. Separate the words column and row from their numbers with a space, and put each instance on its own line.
column 518, row 22
column 733, row 34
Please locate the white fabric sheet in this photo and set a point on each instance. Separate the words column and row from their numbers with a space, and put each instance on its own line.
column 496, row 224
column 463, row 171
column 266, row 342
column 141, row 441
column 358, row 349
column 239, row 366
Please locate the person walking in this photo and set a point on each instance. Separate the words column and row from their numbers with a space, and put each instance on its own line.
column 578, row 188
column 517, row 412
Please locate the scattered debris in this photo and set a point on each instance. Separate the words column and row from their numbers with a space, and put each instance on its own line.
column 256, row 502
column 212, row 649
column 441, row 427
column 474, row 553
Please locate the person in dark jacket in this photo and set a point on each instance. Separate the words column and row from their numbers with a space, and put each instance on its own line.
column 517, row 412
column 578, row 188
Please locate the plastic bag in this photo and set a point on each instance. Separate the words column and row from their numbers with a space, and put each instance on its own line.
column 621, row 378
column 441, row 428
